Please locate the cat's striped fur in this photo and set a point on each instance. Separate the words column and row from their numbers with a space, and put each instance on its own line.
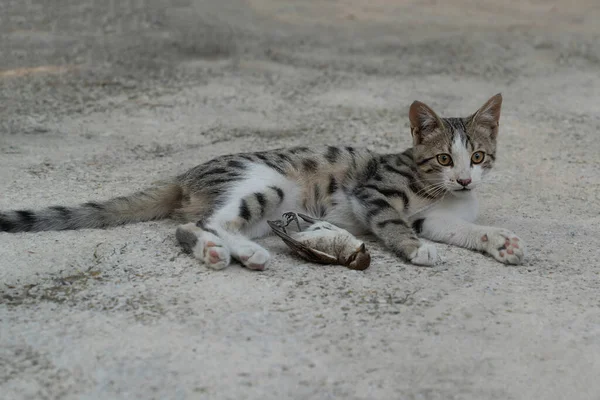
column 394, row 196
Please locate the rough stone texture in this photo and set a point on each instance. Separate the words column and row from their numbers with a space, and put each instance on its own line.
column 100, row 98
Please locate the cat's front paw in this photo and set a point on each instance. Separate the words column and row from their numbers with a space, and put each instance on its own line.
column 425, row 254
column 504, row 246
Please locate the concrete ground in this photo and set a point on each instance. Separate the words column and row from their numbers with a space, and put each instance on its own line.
column 100, row 98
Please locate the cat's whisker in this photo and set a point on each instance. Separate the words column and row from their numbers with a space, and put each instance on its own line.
column 436, row 187
column 428, row 206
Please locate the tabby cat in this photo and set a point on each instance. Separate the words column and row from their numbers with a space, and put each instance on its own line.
column 427, row 190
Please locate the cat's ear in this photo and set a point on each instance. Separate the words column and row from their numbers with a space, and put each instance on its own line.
column 488, row 116
column 423, row 121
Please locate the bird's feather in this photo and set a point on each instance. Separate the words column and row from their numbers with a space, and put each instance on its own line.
column 306, row 252
column 322, row 242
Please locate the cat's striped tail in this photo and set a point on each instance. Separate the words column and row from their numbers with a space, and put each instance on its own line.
column 151, row 204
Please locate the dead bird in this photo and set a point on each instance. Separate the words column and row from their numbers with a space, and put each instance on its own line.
column 322, row 242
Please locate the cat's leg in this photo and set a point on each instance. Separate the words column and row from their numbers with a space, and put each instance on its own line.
column 248, row 253
column 265, row 194
column 391, row 227
column 204, row 244
column 249, row 211
column 236, row 221
column 451, row 222
column 215, row 247
column 501, row 244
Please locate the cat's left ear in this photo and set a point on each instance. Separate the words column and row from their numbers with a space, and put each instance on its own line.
column 488, row 116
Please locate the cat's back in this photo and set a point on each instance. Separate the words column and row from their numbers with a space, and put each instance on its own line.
column 305, row 165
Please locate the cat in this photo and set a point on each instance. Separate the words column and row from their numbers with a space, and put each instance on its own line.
column 426, row 191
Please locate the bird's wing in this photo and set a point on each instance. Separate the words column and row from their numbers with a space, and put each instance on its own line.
column 303, row 250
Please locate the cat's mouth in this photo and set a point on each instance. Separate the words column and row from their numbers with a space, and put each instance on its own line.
column 463, row 190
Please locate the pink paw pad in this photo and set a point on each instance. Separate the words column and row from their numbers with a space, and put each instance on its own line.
column 210, row 247
column 504, row 246
column 214, row 254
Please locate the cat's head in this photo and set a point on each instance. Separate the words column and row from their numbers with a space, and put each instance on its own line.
column 454, row 154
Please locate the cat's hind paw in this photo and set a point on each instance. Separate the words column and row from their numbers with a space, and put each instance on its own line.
column 212, row 251
column 253, row 256
column 203, row 245
column 504, row 246
column 425, row 254
column 215, row 255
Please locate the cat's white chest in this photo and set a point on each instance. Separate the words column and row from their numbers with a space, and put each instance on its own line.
column 465, row 207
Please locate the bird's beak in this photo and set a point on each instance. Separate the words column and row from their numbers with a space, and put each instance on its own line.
column 361, row 259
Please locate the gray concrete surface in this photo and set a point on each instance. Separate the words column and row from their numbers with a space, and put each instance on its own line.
column 100, row 98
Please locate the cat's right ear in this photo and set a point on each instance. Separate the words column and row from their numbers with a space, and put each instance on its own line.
column 488, row 116
column 423, row 121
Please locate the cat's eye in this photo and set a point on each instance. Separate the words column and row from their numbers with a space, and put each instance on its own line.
column 477, row 157
column 444, row 159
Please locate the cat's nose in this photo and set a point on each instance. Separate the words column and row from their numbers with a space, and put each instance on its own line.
column 464, row 182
